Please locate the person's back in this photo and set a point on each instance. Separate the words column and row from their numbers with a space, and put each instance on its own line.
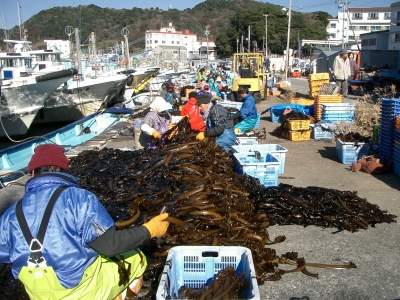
column 191, row 110
column 57, row 237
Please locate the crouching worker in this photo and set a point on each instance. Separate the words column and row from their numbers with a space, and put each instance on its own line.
column 192, row 111
column 158, row 121
column 63, row 244
column 218, row 122
column 248, row 112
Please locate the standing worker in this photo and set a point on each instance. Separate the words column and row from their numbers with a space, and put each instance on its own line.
column 218, row 123
column 248, row 112
column 170, row 95
column 63, row 244
column 341, row 70
column 158, row 121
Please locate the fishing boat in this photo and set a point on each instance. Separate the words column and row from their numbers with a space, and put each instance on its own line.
column 23, row 92
column 17, row 157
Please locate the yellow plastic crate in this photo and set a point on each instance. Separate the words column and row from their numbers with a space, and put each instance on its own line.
column 318, row 76
column 315, row 89
column 297, row 136
column 302, row 101
column 319, row 83
column 329, row 98
column 298, row 124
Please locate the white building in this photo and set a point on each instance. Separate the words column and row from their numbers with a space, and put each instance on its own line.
column 179, row 42
column 59, row 45
column 394, row 35
column 355, row 21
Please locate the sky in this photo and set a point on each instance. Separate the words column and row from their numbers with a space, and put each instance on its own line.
column 32, row 7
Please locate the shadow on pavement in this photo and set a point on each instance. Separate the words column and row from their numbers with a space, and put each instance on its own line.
column 389, row 179
column 329, row 152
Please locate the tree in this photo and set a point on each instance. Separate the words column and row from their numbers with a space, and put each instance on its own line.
column 306, row 49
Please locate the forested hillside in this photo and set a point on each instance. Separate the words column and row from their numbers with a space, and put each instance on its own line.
column 228, row 20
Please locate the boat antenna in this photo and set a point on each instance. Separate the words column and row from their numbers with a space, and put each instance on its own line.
column 4, row 23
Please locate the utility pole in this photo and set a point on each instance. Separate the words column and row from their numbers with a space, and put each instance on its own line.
column 207, row 33
column 266, row 36
column 241, row 45
column 248, row 39
column 342, row 4
column 237, row 45
column 288, row 38
column 125, row 33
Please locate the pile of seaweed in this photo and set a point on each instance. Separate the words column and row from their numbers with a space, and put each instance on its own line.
column 209, row 204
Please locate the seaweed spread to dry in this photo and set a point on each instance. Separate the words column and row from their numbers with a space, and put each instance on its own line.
column 209, row 204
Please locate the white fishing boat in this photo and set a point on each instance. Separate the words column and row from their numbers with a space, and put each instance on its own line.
column 23, row 92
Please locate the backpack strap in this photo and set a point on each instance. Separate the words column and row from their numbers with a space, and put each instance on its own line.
column 36, row 244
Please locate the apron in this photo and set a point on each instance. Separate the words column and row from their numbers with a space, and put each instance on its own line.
column 100, row 280
column 161, row 128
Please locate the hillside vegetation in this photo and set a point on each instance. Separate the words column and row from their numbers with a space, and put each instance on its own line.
column 228, row 20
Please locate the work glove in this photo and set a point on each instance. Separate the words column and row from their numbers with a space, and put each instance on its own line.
column 200, row 136
column 157, row 226
column 156, row 134
column 237, row 130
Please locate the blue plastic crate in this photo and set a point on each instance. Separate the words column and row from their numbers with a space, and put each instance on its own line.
column 396, row 149
column 350, row 152
column 277, row 110
column 246, row 140
column 337, row 117
column 266, row 169
column 196, row 266
column 337, row 108
column 276, row 150
column 319, row 133
column 258, row 122
column 231, row 104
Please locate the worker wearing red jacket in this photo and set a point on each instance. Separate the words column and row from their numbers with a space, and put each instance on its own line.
column 192, row 110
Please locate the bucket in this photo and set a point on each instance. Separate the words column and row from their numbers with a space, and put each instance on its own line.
column 140, row 137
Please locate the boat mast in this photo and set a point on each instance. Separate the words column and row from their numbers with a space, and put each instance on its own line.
column 4, row 23
column 21, row 26
column 78, row 51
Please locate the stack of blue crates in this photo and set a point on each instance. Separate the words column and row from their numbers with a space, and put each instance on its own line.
column 389, row 110
column 396, row 159
column 337, row 112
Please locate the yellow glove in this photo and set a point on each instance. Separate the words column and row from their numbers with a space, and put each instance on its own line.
column 237, row 130
column 156, row 134
column 200, row 136
column 157, row 226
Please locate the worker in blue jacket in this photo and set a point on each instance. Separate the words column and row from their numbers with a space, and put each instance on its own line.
column 248, row 112
column 71, row 252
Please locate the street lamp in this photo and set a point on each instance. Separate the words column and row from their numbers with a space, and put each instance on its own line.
column 288, row 37
column 266, row 36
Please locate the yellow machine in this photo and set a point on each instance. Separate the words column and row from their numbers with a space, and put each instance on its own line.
column 248, row 70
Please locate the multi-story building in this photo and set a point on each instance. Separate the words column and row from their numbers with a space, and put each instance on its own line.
column 59, row 45
column 355, row 21
column 394, row 35
column 178, row 43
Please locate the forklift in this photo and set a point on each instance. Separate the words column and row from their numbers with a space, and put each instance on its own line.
column 248, row 71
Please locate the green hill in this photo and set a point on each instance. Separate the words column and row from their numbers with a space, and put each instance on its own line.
column 228, row 19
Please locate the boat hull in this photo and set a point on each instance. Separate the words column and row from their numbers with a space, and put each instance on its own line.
column 17, row 157
column 17, row 124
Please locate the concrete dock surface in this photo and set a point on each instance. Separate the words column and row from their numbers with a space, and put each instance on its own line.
column 375, row 251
